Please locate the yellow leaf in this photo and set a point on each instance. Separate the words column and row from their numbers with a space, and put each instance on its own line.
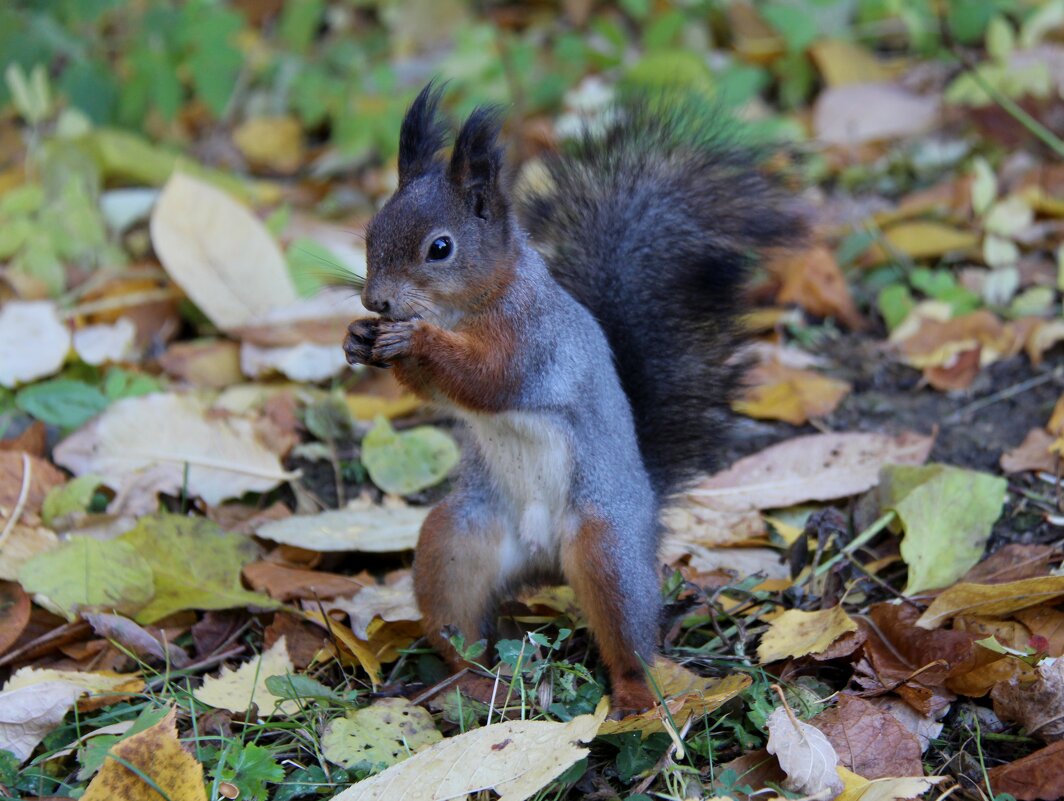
column 369, row 407
column 842, row 63
column 858, row 788
column 797, row 633
column 991, row 599
column 236, row 690
column 275, row 143
column 920, row 239
column 355, row 647
column 157, row 754
column 686, row 695
column 790, row 394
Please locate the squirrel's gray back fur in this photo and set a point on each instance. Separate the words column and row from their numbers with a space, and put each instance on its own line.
column 653, row 225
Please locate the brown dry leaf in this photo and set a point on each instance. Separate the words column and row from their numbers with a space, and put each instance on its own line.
column 303, row 640
column 215, row 456
column 1038, row 704
column 686, row 694
column 209, row 363
column 813, row 280
column 1013, row 563
column 33, row 440
column 1046, row 624
column 842, row 63
column 776, row 392
column 819, row 467
column 146, row 644
column 804, row 753
column 796, row 633
column 516, row 759
column 867, row 112
column 219, row 253
column 157, row 754
column 389, row 602
column 1032, row 454
column 289, row 583
column 958, row 371
column 991, row 599
column 869, row 741
column 387, row 638
column 14, row 613
column 936, row 343
column 43, row 477
column 357, row 649
column 272, row 143
column 1037, row 777
column 857, row 788
column 757, row 769
column 923, row 727
column 1041, row 337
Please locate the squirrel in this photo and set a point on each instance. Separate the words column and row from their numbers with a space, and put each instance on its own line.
column 583, row 332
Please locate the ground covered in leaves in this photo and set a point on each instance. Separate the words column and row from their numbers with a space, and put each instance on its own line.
column 207, row 519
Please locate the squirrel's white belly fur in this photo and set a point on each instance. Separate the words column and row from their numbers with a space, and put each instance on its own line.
column 529, row 461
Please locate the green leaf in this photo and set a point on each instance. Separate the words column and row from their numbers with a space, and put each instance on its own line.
column 125, row 384
column 74, row 496
column 86, row 573
column 250, row 767
column 410, row 461
column 61, row 402
column 670, row 70
column 196, row 565
column 894, row 303
column 378, row 736
column 299, row 23
column 795, row 24
column 295, row 687
column 947, row 514
column 309, row 781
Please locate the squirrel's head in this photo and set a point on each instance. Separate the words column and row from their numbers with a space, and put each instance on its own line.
column 443, row 245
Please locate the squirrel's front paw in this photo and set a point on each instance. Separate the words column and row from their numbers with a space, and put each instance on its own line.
column 358, row 344
column 394, row 339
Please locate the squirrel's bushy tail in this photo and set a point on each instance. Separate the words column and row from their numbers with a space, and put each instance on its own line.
column 653, row 224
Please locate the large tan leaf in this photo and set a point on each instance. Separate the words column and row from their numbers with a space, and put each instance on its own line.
column 27, row 714
column 361, row 526
column 868, row 112
column 33, row 341
column 516, row 759
column 990, row 599
column 819, row 467
column 797, row 633
column 218, row 253
column 157, row 754
column 143, row 445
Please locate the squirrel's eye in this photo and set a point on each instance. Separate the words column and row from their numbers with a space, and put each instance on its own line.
column 441, row 248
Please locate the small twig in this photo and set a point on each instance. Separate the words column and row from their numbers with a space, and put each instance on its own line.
column 439, row 687
column 1005, row 394
column 23, row 493
column 786, row 706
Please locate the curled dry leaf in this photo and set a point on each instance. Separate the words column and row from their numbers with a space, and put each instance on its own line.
column 158, row 755
column 219, row 253
column 805, row 754
column 820, row 467
column 991, row 599
column 796, row 633
column 516, row 759
column 1033, row 454
column 1037, row 705
column 137, row 639
column 139, row 458
column 869, row 741
column 1037, row 777
column 813, row 280
column 33, row 341
column 14, row 613
column 29, row 713
column 389, row 602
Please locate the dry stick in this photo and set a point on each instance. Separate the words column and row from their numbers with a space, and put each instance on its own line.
column 23, row 493
column 439, row 687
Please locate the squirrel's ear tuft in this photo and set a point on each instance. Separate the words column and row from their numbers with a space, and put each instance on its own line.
column 477, row 162
column 423, row 133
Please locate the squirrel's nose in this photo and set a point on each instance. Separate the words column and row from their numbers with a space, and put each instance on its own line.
column 375, row 304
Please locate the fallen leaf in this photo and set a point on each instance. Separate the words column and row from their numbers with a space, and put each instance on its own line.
column 947, row 514
column 28, row 714
column 857, row 788
column 157, row 754
column 213, row 456
column 14, row 613
column 33, row 341
column 804, row 753
column 389, row 602
column 284, row 583
column 305, row 362
column 22, row 544
column 104, row 343
column 1046, row 623
column 358, row 649
column 991, row 599
column 1013, row 562
column 210, row 363
column 842, row 63
column 367, row 407
column 236, row 690
column 361, row 526
column 87, row 682
column 408, row 461
column 869, row 741
column 195, row 564
column 1032, row 454
column 273, row 143
column 924, row 727
column 866, row 112
column 818, row 467
column 303, row 640
column 515, row 758
column 219, row 253
column 72, row 498
column 84, row 573
column 379, row 735
column 1036, row 705
column 137, row 639
column 812, row 279
column 920, row 239
column 1036, row 777
column 776, row 392
column 43, row 478
column 686, row 695
column 934, row 343
column 797, row 633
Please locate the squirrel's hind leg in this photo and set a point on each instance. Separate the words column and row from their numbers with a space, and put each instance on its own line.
column 458, row 573
column 615, row 581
